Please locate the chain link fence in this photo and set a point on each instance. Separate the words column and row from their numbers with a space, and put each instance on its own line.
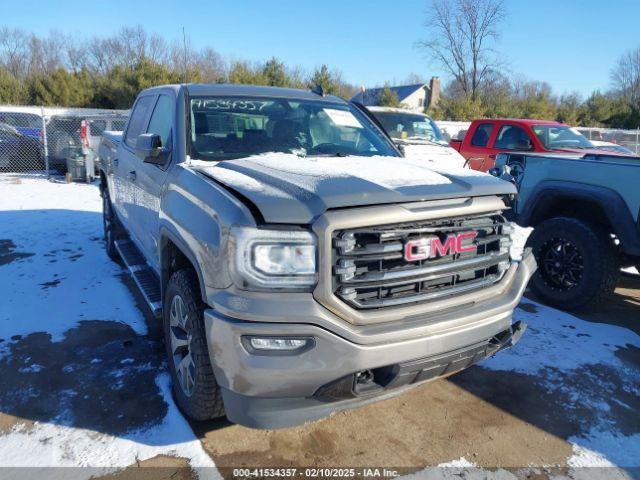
column 54, row 141
column 617, row 139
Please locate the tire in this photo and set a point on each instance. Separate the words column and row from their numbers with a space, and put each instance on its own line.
column 110, row 226
column 195, row 389
column 578, row 263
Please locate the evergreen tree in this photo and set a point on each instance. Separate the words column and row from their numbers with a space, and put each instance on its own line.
column 323, row 77
column 274, row 73
column 388, row 98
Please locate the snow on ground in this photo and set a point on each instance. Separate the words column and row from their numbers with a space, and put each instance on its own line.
column 57, row 232
column 51, row 237
column 562, row 349
column 50, row 444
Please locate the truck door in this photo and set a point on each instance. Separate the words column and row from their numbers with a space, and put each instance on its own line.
column 510, row 137
column 125, row 164
column 150, row 179
column 476, row 151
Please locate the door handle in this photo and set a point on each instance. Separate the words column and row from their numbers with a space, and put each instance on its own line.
column 132, row 175
column 115, row 162
column 492, row 155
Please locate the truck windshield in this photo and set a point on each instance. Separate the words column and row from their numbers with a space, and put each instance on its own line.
column 224, row 128
column 560, row 136
column 409, row 126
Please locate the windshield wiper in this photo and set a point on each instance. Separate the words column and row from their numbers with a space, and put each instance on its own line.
column 422, row 140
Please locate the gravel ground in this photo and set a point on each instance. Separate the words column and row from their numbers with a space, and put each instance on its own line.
column 85, row 382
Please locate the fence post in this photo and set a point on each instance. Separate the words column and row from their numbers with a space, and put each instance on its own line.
column 44, row 142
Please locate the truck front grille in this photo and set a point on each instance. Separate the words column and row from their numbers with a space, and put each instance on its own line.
column 377, row 267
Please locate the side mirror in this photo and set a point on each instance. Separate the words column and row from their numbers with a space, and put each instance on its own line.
column 149, row 148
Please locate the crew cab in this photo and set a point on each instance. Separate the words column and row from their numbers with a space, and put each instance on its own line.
column 488, row 137
column 299, row 264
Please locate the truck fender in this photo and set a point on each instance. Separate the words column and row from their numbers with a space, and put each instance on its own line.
column 167, row 236
column 610, row 201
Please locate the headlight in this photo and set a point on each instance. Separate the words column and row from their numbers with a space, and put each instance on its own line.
column 273, row 258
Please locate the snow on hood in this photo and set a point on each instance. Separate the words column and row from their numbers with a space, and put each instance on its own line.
column 440, row 156
column 287, row 188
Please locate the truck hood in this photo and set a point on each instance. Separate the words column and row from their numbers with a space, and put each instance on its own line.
column 290, row 189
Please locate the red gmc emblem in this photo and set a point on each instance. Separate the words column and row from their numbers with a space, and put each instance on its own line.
column 430, row 247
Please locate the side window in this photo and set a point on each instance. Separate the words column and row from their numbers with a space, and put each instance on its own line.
column 512, row 137
column 136, row 124
column 97, row 127
column 481, row 135
column 162, row 119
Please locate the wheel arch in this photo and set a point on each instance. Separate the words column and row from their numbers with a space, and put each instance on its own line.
column 590, row 203
column 174, row 255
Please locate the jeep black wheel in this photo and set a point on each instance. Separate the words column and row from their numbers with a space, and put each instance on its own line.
column 577, row 263
column 194, row 384
column 110, row 226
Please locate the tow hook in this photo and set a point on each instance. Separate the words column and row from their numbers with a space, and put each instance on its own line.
column 508, row 338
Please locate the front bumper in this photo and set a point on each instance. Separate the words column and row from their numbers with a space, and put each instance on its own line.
column 273, row 391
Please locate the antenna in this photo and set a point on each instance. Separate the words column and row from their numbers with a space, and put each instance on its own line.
column 184, row 46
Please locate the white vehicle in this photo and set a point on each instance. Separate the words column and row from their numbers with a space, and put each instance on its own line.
column 610, row 146
column 418, row 137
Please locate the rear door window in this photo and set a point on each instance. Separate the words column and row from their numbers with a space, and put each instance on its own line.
column 482, row 134
column 137, row 122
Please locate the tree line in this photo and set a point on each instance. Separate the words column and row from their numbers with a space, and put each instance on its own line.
column 109, row 72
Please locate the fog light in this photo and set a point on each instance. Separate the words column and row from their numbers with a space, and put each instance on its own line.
column 277, row 344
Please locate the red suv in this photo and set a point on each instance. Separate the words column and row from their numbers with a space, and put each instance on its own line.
column 488, row 137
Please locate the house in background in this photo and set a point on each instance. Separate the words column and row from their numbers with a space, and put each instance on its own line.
column 417, row 97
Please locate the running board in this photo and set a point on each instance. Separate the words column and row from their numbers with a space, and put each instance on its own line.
column 142, row 274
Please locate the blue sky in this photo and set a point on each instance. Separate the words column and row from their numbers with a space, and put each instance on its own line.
column 571, row 44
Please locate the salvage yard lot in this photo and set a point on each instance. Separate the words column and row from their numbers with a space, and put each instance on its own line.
column 84, row 379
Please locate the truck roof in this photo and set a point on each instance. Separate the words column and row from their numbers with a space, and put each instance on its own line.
column 224, row 89
column 525, row 121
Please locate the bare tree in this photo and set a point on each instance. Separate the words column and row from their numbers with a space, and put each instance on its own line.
column 14, row 51
column 460, row 36
column 626, row 77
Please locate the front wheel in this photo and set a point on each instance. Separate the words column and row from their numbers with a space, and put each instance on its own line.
column 194, row 384
column 578, row 263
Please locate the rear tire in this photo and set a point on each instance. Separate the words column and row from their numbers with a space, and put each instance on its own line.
column 111, row 227
column 578, row 263
column 194, row 384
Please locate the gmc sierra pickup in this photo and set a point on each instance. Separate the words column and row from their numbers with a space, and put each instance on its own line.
column 299, row 264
